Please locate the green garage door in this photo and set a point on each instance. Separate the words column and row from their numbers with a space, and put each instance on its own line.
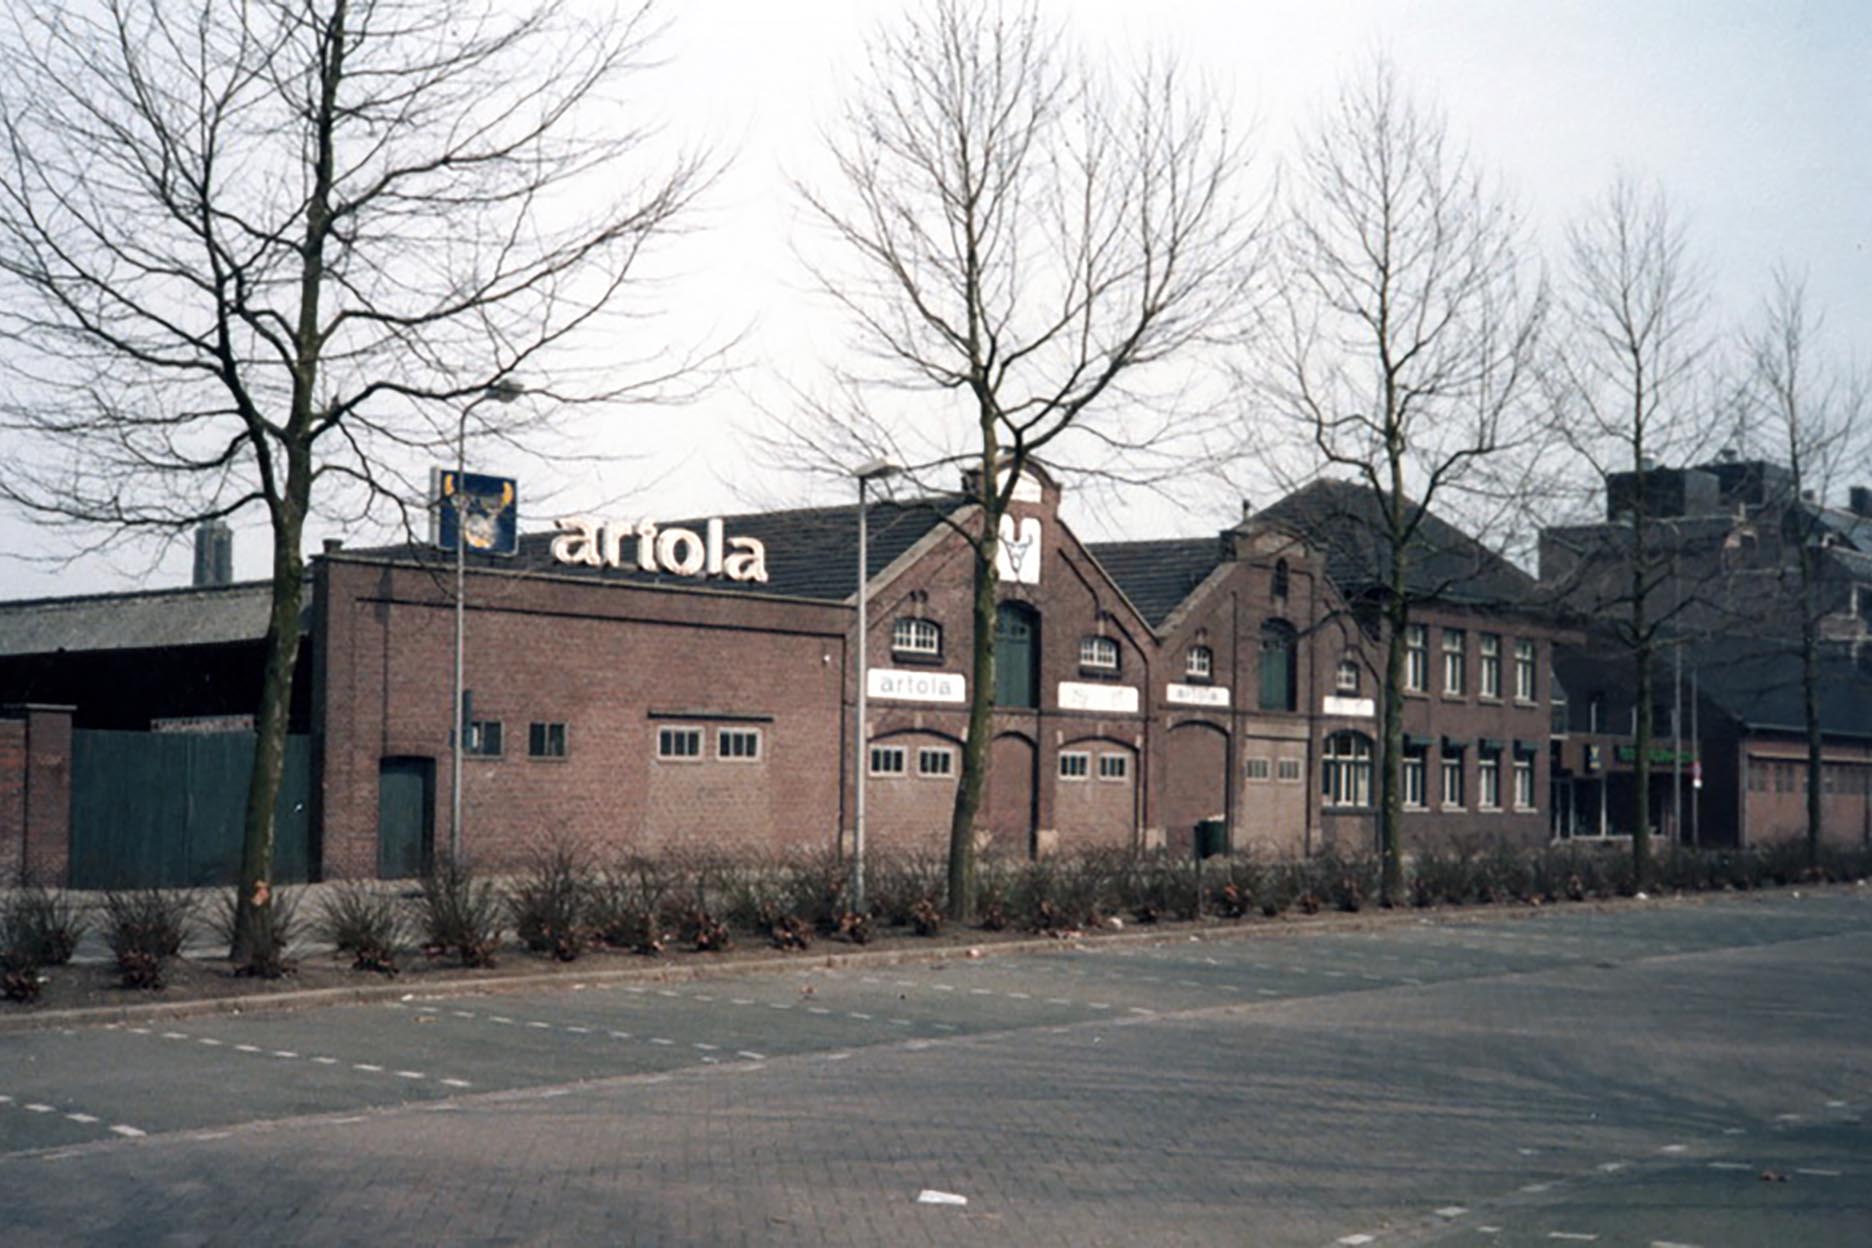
column 165, row 809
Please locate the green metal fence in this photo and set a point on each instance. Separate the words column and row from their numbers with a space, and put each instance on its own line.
column 164, row 809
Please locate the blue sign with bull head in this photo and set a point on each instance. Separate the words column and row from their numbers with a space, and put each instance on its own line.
column 486, row 509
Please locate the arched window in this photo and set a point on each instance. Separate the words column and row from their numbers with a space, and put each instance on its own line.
column 1199, row 663
column 1100, row 654
column 1280, row 580
column 1017, row 655
column 1278, row 682
column 1345, row 769
column 911, row 635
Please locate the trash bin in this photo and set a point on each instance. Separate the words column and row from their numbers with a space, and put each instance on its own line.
column 1211, row 837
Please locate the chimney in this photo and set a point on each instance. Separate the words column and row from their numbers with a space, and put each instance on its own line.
column 1860, row 500
column 214, row 554
column 333, row 544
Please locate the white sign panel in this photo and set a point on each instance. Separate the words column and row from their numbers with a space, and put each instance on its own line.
column 1197, row 695
column 1017, row 554
column 909, row 686
column 1114, row 699
column 1356, row 708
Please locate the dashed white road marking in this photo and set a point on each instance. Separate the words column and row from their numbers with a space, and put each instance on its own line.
column 660, row 1040
column 543, row 1026
column 130, row 1132
column 620, row 1035
column 462, row 1013
column 1360, row 1238
column 81, row 1117
column 1836, row 1104
column 378, row 1070
column 326, row 1061
column 707, row 1048
column 1730, row 1165
column 751, row 1055
column 1580, row 1236
column 454, row 1083
column 579, row 1031
column 863, row 1017
column 1675, row 1148
column 741, row 1001
column 1670, row 1243
column 1058, row 1001
column 499, row 1018
column 246, row 1048
column 1532, row 1188
column 1612, row 1167
column 1819, row 1174
column 284, row 1053
column 174, row 1035
column 410, row 1074
column 211, row 1042
column 36, row 1108
column 817, row 1009
column 1452, row 1211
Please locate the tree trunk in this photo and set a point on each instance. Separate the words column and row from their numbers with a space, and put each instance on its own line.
column 1391, row 788
column 253, row 915
column 968, row 799
column 1810, row 704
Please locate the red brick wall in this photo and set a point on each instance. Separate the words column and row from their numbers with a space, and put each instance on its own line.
column 12, row 797
column 35, row 793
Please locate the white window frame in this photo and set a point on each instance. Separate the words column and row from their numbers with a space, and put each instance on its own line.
column 668, row 736
column 1416, row 764
column 894, row 759
column 1488, row 678
column 1524, row 782
column 944, row 752
column 753, row 734
column 1259, row 768
column 1416, row 658
column 1098, row 653
column 1488, row 780
column 1450, row 765
column 1199, row 663
column 1455, row 661
column 1346, row 779
column 1075, row 765
column 1525, row 656
column 1346, row 678
column 1113, row 766
column 912, row 634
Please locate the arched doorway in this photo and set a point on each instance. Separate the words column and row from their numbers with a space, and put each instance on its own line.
column 1010, row 803
column 1195, row 781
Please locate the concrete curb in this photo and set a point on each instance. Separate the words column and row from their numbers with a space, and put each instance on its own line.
column 775, row 961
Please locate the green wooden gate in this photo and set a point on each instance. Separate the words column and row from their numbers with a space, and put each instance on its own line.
column 165, row 809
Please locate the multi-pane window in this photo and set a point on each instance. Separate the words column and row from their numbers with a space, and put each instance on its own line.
column 1098, row 653
column 1199, row 663
column 1454, row 676
column 1279, row 686
column 1074, row 764
column 911, row 635
column 679, row 743
column 887, row 760
column 483, row 739
column 1489, row 677
column 1524, row 670
column 1114, row 766
column 1287, row 769
column 1346, row 679
column 1282, row 579
column 935, row 761
column 1416, row 658
column 1452, row 771
column 1524, row 782
column 741, row 743
column 1345, row 770
column 546, row 741
column 1413, row 776
column 1257, row 769
column 1488, row 780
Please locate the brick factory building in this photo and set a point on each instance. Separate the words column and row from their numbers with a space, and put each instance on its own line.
column 644, row 687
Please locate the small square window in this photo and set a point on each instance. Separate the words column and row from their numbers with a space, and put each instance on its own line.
column 1098, row 653
column 1075, row 765
column 483, row 739
column 1114, row 767
column 887, row 760
column 738, row 743
column 935, row 761
column 1199, row 664
column 1347, row 678
column 1258, row 769
column 674, row 743
column 1288, row 769
column 546, row 740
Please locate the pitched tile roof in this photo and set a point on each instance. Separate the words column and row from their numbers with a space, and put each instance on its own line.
column 1158, row 575
column 146, row 620
column 1343, row 520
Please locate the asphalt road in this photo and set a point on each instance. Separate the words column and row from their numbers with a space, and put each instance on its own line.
column 1622, row 1078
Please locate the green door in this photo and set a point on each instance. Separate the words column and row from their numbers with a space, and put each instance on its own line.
column 1017, row 655
column 405, row 817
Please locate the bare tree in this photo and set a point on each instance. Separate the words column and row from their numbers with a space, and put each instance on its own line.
column 265, row 254
column 1400, row 354
column 1814, row 413
column 1627, row 388
column 1018, row 231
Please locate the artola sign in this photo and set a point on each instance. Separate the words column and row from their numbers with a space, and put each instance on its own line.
column 910, row 686
column 595, row 543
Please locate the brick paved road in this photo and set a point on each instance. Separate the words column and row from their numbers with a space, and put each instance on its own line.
column 1619, row 1078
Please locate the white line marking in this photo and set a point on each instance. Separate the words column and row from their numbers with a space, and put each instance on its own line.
column 981, row 992
column 636, row 988
column 499, row 1018
column 1836, row 1104
column 1581, row 1236
column 620, row 1035
column 376, row 1070
column 660, row 1040
column 1669, row 1243
column 37, row 1109
column 204, row 1136
column 1019, row 996
column 707, row 1048
column 579, row 1031
column 1099, row 1005
column 130, row 1132
column 817, row 1009
column 1138, row 1009
column 664, row 992
column 836, row 1057
column 1356, row 1239
column 751, row 1055
column 462, row 1013
column 534, row 1022
column 345, row 1122
column 1268, row 992
column 1730, row 1165
column 210, row 1041
column 284, row 1053
column 326, row 1061
column 1528, row 1152
column 1820, row 1174
column 943, row 987
column 456, row 1083
column 411, row 1074
column 1675, row 1148
column 89, row 1118
column 711, row 1000
column 1732, row 1130
column 1058, row 1001
column 1788, row 1117
column 1452, row 1211
column 900, row 1022
column 944, row 1026
column 141, row 1031
column 1612, row 1167
column 740, row 1001
column 779, row 1005
column 174, row 1035
column 1536, row 1187
column 246, row 1048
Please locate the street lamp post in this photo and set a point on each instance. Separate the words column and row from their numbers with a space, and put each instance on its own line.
column 876, row 470
column 502, row 391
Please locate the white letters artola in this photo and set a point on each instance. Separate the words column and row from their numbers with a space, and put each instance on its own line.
column 596, row 543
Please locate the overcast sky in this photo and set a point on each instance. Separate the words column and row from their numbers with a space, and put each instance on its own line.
column 1753, row 117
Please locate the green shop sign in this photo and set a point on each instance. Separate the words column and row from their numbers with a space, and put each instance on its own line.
column 1659, row 754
